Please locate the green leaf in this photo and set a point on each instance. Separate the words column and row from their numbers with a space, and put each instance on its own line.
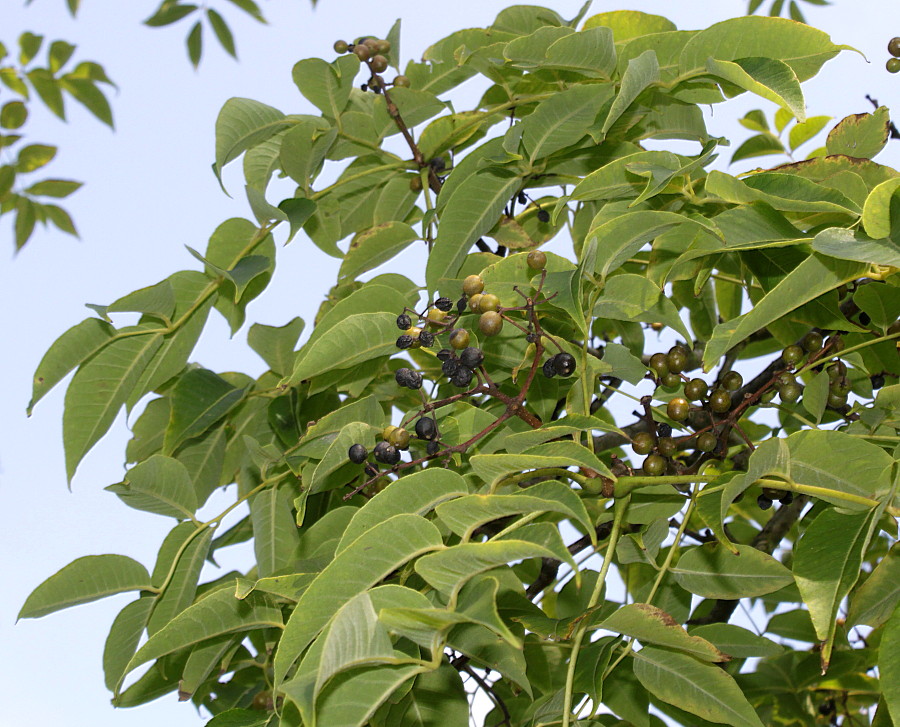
column 417, row 493
column 449, row 569
column 492, row 468
column 651, row 625
column 251, row 8
column 275, row 344
column 88, row 95
column 351, row 698
column 627, row 24
column 327, row 85
column 803, row 132
column 874, row 601
column 34, row 156
column 319, row 436
column 84, row 580
column 838, row 242
column 160, row 485
column 217, row 614
column 54, row 188
column 712, row 571
column 123, row 639
column 26, row 217
column 860, row 135
column 826, row 564
column 813, row 277
column 275, row 533
column 436, row 698
column 195, row 44
column 168, row 13
column 183, row 553
column 68, row 351
column 815, row 395
column 48, row 89
column 880, row 302
column 354, row 340
column 889, row 664
column 698, row 688
column 801, row 47
column 59, row 217
column 737, row 641
column 100, row 387
column 29, row 45
column 13, row 115
column 769, row 78
column 782, row 191
column 199, row 400
column 243, row 123
column 640, row 73
column 375, row 246
column 876, row 218
column 155, row 300
column 363, row 563
column 758, row 146
column 472, row 210
column 222, row 31
column 298, row 211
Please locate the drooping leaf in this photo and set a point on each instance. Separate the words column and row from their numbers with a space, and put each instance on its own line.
column 160, row 485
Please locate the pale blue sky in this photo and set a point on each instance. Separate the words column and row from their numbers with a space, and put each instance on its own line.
column 149, row 192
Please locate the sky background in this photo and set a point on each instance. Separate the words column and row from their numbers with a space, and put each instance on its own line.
column 148, row 193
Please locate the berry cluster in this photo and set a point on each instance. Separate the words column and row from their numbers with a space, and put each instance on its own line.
column 372, row 51
column 893, row 64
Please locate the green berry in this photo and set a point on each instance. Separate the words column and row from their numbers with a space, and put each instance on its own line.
column 340, row 46
column 475, row 303
column 666, row 446
column 435, row 317
column 362, row 52
column 837, row 370
column 732, row 381
column 399, row 438
column 642, row 443
column 790, row 393
column 678, row 409
column 835, row 343
column 894, row 47
column 677, row 359
column 792, row 355
column 473, row 284
column 378, row 63
column 536, row 260
column 837, row 401
column 670, row 380
column 720, row 401
column 812, row 342
column 488, row 302
column 785, row 378
column 893, row 65
column 707, row 442
column 382, row 46
column 654, row 465
column 490, row 323
column 658, row 364
column 696, row 389
column 402, row 82
column 459, row 338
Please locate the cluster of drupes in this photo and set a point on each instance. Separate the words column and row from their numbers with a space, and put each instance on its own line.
column 372, row 52
column 712, row 411
column 460, row 362
column 893, row 64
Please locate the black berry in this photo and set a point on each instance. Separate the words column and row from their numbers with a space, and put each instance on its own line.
column 432, row 447
column 564, row 364
column 358, row 454
column 462, row 377
column 461, row 304
column 450, row 366
column 549, row 369
column 404, row 341
column 764, row 502
column 543, row 216
column 408, row 378
column 403, row 322
column 471, row 357
column 426, row 338
column 877, row 381
column 522, row 198
column 425, row 428
column 445, row 354
column 663, row 430
column 386, row 453
column 444, row 304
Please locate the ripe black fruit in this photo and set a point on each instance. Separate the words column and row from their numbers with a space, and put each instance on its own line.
column 564, row 364
column 764, row 502
column 445, row 354
column 461, row 304
column 678, row 409
column 408, row 378
column 720, row 401
column 877, row 381
column 450, row 366
column 432, row 447
column 404, row 323
column 426, row 428
column 404, row 341
column 642, row 443
column 357, row 454
column 543, row 216
column 462, row 377
column 654, row 465
column 663, row 430
column 471, row 357
column 386, row 453
column 444, row 304
column 426, row 338
column 548, row 368
column 536, row 260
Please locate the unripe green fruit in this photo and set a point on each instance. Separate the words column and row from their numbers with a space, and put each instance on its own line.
column 415, row 184
column 894, row 47
column 414, row 332
column 402, row 82
column 536, row 260
column 792, row 355
column 658, row 364
column 435, row 318
column 490, row 323
column 399, row 438
column 790, row 393
column 837, row 370
column 676, row 360
column 370, row 43
column 666, row 446
column 670, row 380
column 473, row 284
column 835, row 343
column 378, row 63
column 642, row 443
column 893, row 65
column 387, row 432
column 839, row 387
column 678, row 409
column 812, row 341
column 696, row 389
column 654, row 465
column 488, row 302
column 785, row 378
column 362, row 52
column 383, row 46
column 732, row 381
column 340, row 46
column 475, row 303
column 459, row 338
column 707, row 442
column 837, row 401
column 720, row 401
